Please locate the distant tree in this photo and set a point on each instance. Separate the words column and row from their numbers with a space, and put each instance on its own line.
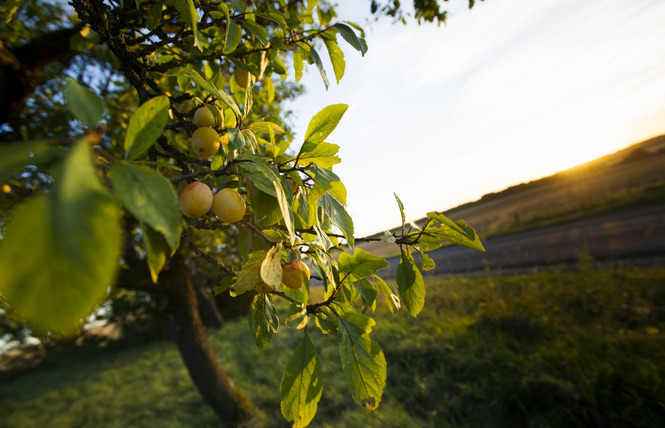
column 138, row 100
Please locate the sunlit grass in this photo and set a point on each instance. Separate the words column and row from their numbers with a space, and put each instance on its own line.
column 557, row 349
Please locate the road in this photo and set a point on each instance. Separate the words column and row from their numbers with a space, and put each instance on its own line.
column 629, row 237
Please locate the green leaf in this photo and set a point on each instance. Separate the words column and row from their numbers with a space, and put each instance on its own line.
column 238, row 5
column 233, row 36
column 87, row 106
column 323, row 179
column 338, row 191
column 317, row 60
column 426, row 242
column 324, row 123
column 266, row 128
column 263, row 320
column 426, row 261
column 265, row 208
column 236, row 140
column 203, row 83
column 363, row 362
column 263, row 175
column 150, row 197
column 410, row 283
column 145, row 126
column 188, row 12
column 301, row 385
column 368, row 293
column 157, row 250
column 392, row 299
column 59, row 253
column 154, row 15
column 336, row 58
column 351, row 38
column 338, row 216
column 256, row 30
column 271, row 267
column 456, row 232
column 401, row 208
column 287, row 214
column 321, row 154
column 360, row 265
column 298, row 64
column 250, row 275
column 279, row 19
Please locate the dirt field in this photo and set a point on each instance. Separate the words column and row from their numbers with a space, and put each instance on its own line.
column 610, row 178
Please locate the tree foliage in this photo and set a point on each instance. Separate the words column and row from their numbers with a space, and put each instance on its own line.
column 94, row 177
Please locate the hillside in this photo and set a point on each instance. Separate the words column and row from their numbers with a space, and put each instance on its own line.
column 632, row 176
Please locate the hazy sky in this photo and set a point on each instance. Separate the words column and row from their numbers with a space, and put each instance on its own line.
column 508, row 92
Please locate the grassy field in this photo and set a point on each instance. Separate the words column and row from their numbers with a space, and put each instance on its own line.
column 550, row 349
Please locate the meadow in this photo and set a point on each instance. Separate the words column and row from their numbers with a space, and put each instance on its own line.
column 556, row 349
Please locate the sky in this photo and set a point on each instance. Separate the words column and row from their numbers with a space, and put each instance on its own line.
column 508, row 92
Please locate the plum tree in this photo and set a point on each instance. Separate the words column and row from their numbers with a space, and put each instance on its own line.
column 195, row 199
column 229, row 205
column 119, row 163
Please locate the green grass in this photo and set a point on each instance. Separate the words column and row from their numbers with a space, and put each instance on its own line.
column 554, row 349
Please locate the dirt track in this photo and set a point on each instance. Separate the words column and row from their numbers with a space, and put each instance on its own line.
column 624, row 238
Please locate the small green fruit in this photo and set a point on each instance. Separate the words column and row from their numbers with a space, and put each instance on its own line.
column 205, row 142
column 203, row 117
column 229, row 205
column 195, row 199
column 292, row 274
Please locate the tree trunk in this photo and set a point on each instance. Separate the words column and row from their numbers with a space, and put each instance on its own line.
column 208, row 307
column 188, row 332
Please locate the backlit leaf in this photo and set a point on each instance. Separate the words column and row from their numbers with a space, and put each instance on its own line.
column 401, row 208
column 271, row 267
column 336, row 58
column 150, row 197
column 145, row 126
column 324, row 123
column 317, row 60
column 351, row 38
column 360, row 265
column 250, row 275
column 338, row 216
column 157, row 250
column 456, row 232
column 363, row 362
column 221, row 96
column 301, row 385
column 59, row 254
column 87, row 106
column 410, row 283
column 263, row 320
column 321, row 154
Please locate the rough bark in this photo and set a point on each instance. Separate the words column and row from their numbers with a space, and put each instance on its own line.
column 208, row 307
